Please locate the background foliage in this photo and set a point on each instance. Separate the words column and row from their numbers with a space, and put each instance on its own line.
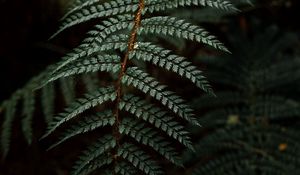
column 252, row 127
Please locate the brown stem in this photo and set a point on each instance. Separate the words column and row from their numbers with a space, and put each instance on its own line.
column 130, row 45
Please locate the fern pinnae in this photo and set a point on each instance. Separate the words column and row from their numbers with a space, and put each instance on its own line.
column 108, row 63
column 91, row 100
column 161, row 5
column 97, row 149
column 157, row 117
column 172, row 26
column 141, row 80
column 88, row 124
column 88, row 10
column 162, row 58
column 139, row 159
column 150, row 137
column 113, row 42
column 28, row 112
column 112, row 8
column 10, row 110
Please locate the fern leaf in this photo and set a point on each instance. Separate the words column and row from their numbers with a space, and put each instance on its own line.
column 171, row 26
column 157, row 117
column 162, row 57
column 108, row 63
column 139, row 159
column 162, row 5
column 89, row 10
column 87, row 162
column 147, row 136
column 28, row 111
column 109, row 27
column 91, row 100
column 147, row 84
column 113, row 42
column 240, row 163
column 88, row 124
column 10, row 110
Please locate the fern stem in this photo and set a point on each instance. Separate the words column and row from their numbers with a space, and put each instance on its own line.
column 130, row 45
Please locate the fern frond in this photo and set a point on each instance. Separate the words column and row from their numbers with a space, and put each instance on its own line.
column 88, row 124
column 157, row 117
column 90, row 100
column 89, row 10
column 95, row 9
column 147, row 136
column 86, row 163
column 240, row 163
column 162, row 5
column 108, row 27
column 113, row 42
column 108, row 63
column 250, row 146
column 10, row 110
column 162, row 58
column 28, row 112
column 139, row 159
column 142, row 81
column 250, row 139
column 165, row 25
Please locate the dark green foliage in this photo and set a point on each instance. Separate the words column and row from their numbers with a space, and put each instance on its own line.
column 26, row 98
column 251, row 127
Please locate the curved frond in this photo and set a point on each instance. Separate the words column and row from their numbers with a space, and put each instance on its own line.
column 10, row 110
column 28, row 112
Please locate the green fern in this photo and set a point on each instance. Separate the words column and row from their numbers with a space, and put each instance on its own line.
column 113, row 46
column 249, row 149
column 242, row 133
column 26, row 99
